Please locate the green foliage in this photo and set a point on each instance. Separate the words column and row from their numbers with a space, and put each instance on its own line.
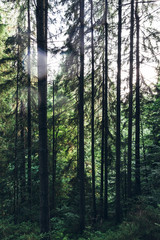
column 65, row 222
column 143, row 223
column 23, row 231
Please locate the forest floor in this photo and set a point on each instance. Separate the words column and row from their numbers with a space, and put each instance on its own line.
column 142, row 223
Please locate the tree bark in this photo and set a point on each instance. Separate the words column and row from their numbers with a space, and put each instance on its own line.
column 137, row 140
column 130, row 101
column 81, row 120
column 29, row 107
column 42, row 9
column 16, row 187
column 102, row 147
column 118, row 135
column 92, row 124
column 144, row 158
column 106, row 114
column 22, row 156
column 53, row 155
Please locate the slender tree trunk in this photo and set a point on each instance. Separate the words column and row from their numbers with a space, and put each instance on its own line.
column 77, row 112
column 16, row 187
column 42, row 9
column 22, row 157
column 144, row 157
column 137, row 142
column 125, row 174
column 118, row 135
column 106, row 114
column 29, row 107
column 130, row 101
column 93, row 156
column 81, row 120
column 53, row 155
column 102, row 147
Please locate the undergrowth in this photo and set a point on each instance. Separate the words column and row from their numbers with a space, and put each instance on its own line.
column 141, row 223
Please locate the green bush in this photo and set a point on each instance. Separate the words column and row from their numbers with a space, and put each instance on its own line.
column 22, row 231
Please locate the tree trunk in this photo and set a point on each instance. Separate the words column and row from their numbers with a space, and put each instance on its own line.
column 125, row 174
column 81, row 120
column 22, row 157
column 93, row 157
column 118, row 135
column 106, row 114
column 130, row 100
column 16, row 187
column 53, row 155
column 42, row 9
column 29, row 109
column 137, row 143
column 102, row 148
column 144, row 158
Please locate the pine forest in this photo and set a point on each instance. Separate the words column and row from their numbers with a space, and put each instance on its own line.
column 80, row 119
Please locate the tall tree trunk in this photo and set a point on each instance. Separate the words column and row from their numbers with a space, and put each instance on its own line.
column 137, row 142
column 16, row 188
column 106, row 114
column 102, row 147
column 130, row 100
column 144, row 158
column 22, row 157
column 42, row 9
column 53, row 155
column 81, row 120
column 29, row 107
column 93, row 157
column 118, row 135
column 125, row 173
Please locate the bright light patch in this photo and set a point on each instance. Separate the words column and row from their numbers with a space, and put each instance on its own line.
column 149, row 74
column 42, row 63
